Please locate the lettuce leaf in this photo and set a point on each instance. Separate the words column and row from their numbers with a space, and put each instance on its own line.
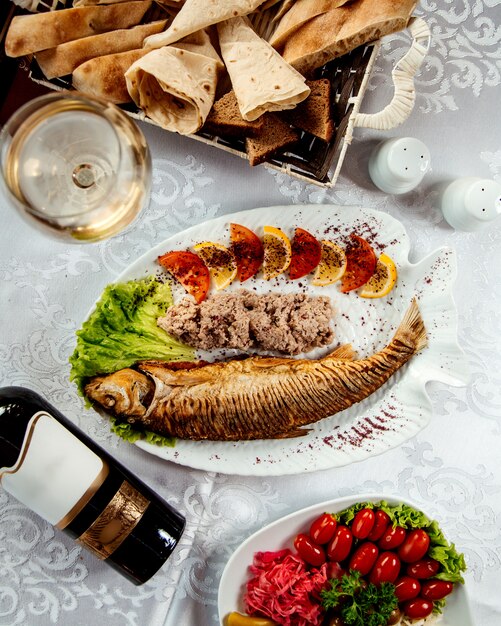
column 123, row 329
column 129, row 433
column 452, row 562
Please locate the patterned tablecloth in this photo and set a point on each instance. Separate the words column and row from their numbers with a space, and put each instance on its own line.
column 452, row 468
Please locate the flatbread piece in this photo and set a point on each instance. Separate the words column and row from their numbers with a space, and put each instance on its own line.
column 261, row 79
column 63, row 59
column 32, row 33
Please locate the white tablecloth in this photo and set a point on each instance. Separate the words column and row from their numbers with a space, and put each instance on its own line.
column 452, row 468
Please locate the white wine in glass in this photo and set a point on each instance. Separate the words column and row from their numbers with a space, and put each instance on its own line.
column 77, row 166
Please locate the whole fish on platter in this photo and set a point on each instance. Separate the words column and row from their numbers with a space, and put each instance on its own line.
column 253, row 398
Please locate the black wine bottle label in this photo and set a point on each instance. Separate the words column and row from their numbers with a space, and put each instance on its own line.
column 116, row 522
column 55, row 474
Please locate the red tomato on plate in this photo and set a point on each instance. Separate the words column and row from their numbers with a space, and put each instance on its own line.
column 436, row 589
column 363, row 523
column 386, row 568
column 426, row 568
column 381, row 523
column 360, row 264
column 309, row 551
column 407, row 588
column 418, row 608
column 392, row 538
column 306, row 254
column 340, row 545
column 364, row 557
column 189, row 269
column 323, row 528
column 415, row 546
column 247, row 249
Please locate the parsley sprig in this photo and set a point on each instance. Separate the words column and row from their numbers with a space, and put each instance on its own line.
column 357, row 603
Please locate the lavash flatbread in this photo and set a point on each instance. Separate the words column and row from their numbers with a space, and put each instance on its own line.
column 63, row 59
column 104, row 76
column 298, row 14
column 199, row 14
column 340, row 30
column 32, row 33
column 261, row 79
column 176, row 85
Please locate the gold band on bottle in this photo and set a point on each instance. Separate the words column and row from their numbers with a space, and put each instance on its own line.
column 115, row 523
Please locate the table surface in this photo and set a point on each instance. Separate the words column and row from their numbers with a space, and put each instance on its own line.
column 452, row 468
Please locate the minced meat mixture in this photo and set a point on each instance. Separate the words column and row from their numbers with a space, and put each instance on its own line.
column 288, row 323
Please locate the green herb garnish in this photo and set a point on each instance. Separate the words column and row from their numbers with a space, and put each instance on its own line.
column 357, row 604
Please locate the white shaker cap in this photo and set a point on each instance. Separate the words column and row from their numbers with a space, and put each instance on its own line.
column 398, row 165
column 471, row 203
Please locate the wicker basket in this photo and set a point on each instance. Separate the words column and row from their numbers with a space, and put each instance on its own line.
column 311, row 159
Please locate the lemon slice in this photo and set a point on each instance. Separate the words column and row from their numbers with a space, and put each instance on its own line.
column 220, row 261
column 277, row 252
column 382, row 281
column 332, row 265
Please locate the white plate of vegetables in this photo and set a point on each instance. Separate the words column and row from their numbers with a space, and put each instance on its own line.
column 367, row 560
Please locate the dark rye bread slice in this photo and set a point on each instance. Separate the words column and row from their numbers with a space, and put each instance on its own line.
column 275, row 136
column 314, row 114
column 225, row 119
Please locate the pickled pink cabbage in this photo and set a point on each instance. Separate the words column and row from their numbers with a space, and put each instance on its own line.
column 285, row 589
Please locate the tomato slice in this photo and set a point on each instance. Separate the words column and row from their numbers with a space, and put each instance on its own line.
column 189, row 269
column 247, row 249
column 306, row 254
column 360, row 263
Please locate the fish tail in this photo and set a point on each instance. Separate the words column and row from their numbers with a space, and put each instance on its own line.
column 412, row 330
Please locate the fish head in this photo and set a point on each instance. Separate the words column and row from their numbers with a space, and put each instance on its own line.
column 125, row 393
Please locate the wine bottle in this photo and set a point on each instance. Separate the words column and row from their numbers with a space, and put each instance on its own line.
column 53, row 468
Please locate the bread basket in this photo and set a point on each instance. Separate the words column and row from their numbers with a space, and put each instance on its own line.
column 313, row 160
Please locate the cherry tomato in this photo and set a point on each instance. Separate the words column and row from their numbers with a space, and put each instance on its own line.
column 363, row 523
column 306, row 253
column 364, row 557
column 323, row 528
column 381, row 523
column 415, row 546
column 334, row 570
column 360, row 264
column 247, row 249
column 407, row 588
column 392, row 538
column 189, row 269
column 340, row 545
column 309, row 551
column 418, row 608
column 386, row 569
column 436, row 589
column 426, row 568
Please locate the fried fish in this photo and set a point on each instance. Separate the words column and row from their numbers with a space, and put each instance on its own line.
column 253, row 398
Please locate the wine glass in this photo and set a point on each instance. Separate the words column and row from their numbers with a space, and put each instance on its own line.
column 77, row 166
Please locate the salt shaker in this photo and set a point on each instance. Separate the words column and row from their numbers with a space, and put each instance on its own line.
column 470, row 203
column 398, row 165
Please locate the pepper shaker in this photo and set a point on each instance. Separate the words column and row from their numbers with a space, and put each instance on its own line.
column 398, row 165
column 470, row 203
